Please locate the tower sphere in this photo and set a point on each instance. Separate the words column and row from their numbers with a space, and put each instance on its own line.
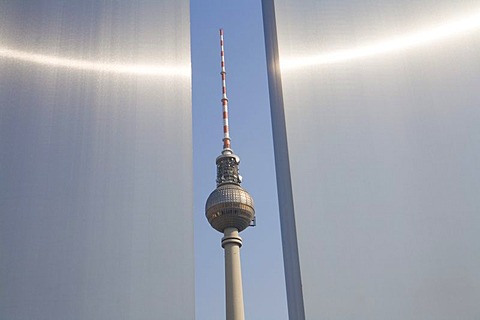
column 229, row 206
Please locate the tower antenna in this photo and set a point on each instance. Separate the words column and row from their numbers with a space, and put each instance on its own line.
column 226, row 130
column 230, row 210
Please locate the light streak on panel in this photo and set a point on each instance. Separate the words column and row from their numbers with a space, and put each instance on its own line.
column 97, row 66
column 421, row 38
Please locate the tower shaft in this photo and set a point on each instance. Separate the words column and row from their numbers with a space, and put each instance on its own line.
column 232, row 242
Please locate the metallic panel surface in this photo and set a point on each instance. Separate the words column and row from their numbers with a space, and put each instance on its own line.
column 293, row 281
column 95, row 164
column 383, row 157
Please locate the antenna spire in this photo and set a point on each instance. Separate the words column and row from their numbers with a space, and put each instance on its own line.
column 226, row 130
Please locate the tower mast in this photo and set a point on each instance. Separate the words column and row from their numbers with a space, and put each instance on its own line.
column 226, row 130
column 230, row 210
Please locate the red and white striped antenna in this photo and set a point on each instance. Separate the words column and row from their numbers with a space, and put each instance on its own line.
column 226, row 130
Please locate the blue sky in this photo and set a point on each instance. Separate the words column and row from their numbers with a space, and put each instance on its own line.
column 263, row 279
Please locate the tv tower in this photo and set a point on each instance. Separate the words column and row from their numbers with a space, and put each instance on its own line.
column 229, row 209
